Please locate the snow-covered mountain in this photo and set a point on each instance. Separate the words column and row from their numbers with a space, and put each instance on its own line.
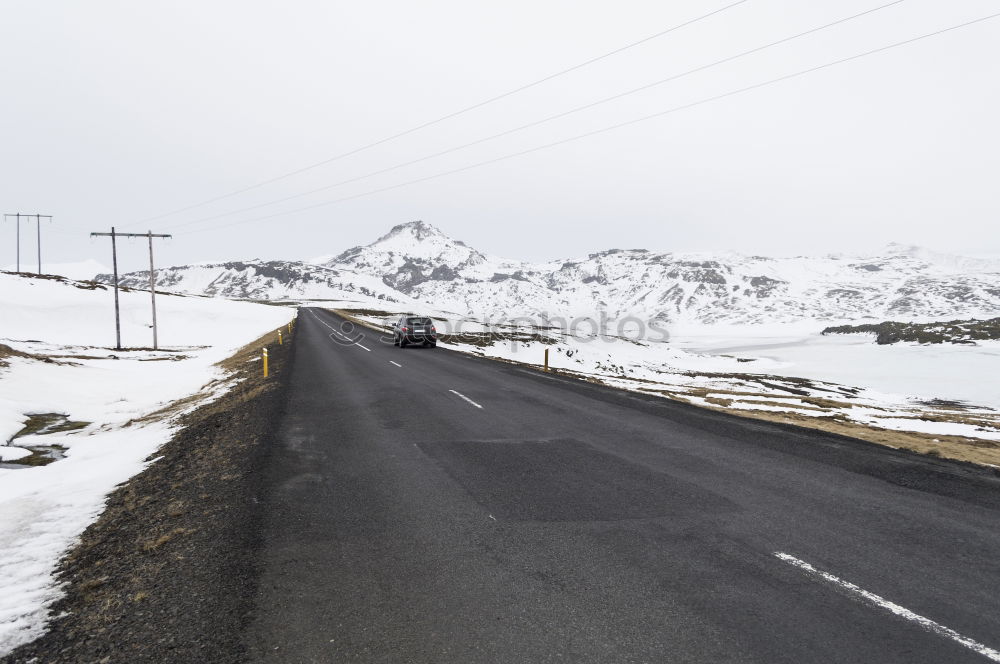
column 262, row 280
column 415, row 262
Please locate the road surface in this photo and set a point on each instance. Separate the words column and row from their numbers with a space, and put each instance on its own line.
column 427, row 506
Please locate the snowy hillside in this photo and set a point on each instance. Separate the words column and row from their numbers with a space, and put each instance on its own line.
column 262, row 280
column 58, row 367
column 415, row 262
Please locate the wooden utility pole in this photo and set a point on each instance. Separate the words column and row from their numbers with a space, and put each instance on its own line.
column 152, row 279
column 17, row 216
column 152, row 285
column 38, row 220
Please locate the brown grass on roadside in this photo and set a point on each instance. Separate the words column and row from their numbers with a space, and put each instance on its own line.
column 156, row 543
column 783, row 404
column 238, row 366
column 961, row 448
column 378, row 313
column 974, row 450
column 253, row 350
column 719, row 401
column 976, row 420
column 349, row 314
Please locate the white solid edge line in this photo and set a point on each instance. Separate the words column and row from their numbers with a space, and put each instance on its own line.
column 466, row 398
column 898, row 610
column 396, row 363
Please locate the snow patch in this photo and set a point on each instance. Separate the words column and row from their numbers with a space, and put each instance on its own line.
column 43, row 509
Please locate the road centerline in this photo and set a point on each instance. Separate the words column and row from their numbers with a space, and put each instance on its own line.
column 892, row 607
column 396, row 363
column 339, row 334
column 462, row 396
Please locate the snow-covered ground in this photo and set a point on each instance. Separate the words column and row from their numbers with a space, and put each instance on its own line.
column 44, row 508
column 944, row 371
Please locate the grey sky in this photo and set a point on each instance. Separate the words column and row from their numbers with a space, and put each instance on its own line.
column 114, row 112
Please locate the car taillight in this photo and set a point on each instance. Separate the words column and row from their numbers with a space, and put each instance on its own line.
column 433, row 329
column 405, row 329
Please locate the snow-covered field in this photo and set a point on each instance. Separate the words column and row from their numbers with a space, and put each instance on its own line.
column 944, row 371
column 44, row 508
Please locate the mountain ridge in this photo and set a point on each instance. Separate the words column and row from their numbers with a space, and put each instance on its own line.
column 415, row 262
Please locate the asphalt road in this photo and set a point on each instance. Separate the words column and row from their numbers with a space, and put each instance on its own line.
column 426, row 506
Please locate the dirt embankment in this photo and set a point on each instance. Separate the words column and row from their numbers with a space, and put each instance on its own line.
column 166, row 574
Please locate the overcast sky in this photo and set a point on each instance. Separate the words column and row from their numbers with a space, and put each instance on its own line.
column 116, row 112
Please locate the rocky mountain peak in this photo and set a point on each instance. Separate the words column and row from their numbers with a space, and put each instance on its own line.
column 418, row 231
column 414, row 253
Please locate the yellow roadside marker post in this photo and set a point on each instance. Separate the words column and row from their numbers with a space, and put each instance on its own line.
column 265, row 362
column 546, row 359
column 279, row 339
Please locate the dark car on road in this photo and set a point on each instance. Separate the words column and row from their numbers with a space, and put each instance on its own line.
column 414, row 330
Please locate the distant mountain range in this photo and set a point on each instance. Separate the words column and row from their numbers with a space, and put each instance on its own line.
column 416, row 263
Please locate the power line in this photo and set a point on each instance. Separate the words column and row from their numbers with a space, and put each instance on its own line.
column 620, row 125
column 535, row 123
column 449, row 116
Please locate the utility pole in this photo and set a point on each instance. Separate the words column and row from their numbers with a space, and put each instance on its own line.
column 152, row 285
column 38, row 225
column 38, row 221
column 17, row 215
column 152, row 279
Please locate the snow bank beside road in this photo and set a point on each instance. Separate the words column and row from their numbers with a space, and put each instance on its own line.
column 43, row 509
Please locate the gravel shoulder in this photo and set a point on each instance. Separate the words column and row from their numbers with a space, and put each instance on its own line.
column 167, row 571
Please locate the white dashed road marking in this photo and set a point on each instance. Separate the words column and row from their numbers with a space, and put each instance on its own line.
column 396, row 363
column 466, row 398
column 339, row 334
column 926, row 623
